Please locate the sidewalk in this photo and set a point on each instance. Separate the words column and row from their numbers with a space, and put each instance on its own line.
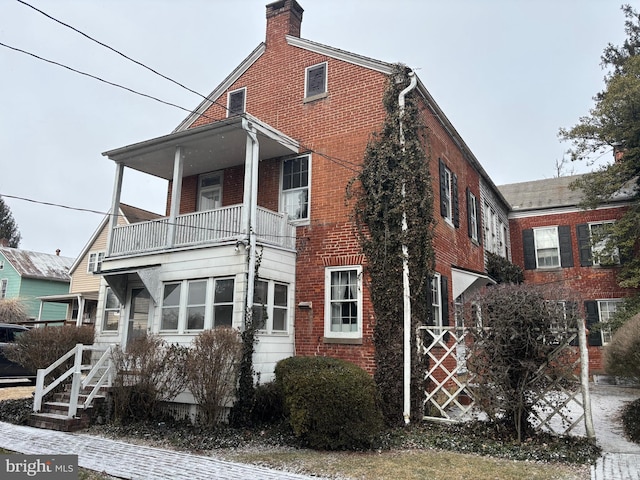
column 128, row 461
column 620, row 458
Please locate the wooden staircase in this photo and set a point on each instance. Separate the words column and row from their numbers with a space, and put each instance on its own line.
column 81, row 400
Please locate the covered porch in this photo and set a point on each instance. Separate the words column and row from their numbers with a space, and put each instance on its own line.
column 238, row 141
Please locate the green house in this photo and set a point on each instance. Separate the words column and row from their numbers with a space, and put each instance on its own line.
column 29, row 275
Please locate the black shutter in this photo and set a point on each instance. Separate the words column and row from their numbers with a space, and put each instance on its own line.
column 444, row 296
column 584, row 245
column 566, row 252
column 469, row 224
column 443, row 189
column 529, row 249
column 591, row 309
column 456, row 205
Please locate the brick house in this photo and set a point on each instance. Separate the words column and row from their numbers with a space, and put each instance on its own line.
column 551, row 239
column 257, row 176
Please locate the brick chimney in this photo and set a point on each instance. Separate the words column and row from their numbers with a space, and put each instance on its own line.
column 284, row 17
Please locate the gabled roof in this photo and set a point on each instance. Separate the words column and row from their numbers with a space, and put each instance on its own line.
column 540, row 194
column 43, row 266
column 130, row 215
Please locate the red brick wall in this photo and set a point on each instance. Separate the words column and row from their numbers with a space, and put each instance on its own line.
column 337, row 128
column 589, row 283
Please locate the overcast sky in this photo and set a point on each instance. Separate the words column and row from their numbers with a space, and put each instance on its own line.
column 507, row 73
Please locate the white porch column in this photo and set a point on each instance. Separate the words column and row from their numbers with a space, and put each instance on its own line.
column 115, row 205
column 80, row 317
column 176, row 192
column 249, row 210
column 248, row 190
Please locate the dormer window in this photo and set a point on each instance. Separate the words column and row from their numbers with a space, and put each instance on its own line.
column 315, row 80
column 236, row 102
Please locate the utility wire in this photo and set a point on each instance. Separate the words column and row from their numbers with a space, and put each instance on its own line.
column 339, row 161
column 109, row 214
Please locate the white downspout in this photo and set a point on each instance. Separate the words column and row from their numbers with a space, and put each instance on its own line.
column 406, row 299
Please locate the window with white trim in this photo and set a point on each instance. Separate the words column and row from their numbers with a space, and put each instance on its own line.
column 343, row 302
column 436, row 300
column 473, row 216
column 193, row 305
column 606, row 311
column 94, row 264
column 315, row 80
column 547, row 247
column 236, row 102
column 446, row 201
column 295, row 188
column 111, row 316
column 3, row 288
column 602, row 252
column 503, row 250
column 270, row 306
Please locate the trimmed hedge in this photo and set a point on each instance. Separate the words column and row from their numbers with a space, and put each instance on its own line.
column 330, row 403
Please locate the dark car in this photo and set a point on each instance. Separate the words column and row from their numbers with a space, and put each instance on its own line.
column 9, row 369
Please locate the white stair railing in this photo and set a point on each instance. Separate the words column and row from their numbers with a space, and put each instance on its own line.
column 75, row 371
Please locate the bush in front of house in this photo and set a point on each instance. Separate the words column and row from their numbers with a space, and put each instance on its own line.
column 622, row 354
column 149, row 372
column 40, row 347
column 268, row 405
column 331, row 404
column 12, row 310
column 212, row 368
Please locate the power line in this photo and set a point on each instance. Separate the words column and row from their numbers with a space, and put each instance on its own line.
column 339, row 161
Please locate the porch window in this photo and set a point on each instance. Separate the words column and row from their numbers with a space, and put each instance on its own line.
column 270, row 306
column 171, row 306
column 223, row 302
column 343, row 302
column 111, row 317
column 295, row 188
column 316, row 80
column 95, row 262
column 196, row 303
column 210, row 191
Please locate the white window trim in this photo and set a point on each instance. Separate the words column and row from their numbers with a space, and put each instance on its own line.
column 105, row 309
column 183, row 304
column 436, row 299
column 201, row 189
column 605, row 332
column 328, row 333
column 535, row 246
column 596, row 248
column 326, row 80
column 270, row 307
column 300, row 221
column 244, row 101
column 94, row 262
column 449, row 194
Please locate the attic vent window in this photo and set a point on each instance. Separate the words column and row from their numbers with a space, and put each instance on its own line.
column 236, row 102
column 316, row 80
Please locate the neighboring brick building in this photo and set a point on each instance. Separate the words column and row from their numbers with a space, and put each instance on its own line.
column 551, row 240
column 258, row 175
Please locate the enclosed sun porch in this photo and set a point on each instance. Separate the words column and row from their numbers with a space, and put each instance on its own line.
column 194, row 163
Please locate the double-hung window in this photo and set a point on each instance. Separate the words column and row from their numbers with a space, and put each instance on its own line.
column 223, row 302
column 196, row 304
column 606, row 311
column 270, row 306
column 449, row 208
column 295, row 187
column 603, row 252
column 547, row 247
column 315, row 80
column 343, row 302
column 171, row 306
column 210, row 191
column 472, row 212
column 3, row 288
column 94, row 264
column 111, row 317
column 436, row 301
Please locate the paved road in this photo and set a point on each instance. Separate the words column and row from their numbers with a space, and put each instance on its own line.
column 128, row 461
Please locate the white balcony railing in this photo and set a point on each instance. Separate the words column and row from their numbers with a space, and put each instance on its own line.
column 200, row 228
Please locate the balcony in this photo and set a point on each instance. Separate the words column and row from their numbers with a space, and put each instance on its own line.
column 206, row 228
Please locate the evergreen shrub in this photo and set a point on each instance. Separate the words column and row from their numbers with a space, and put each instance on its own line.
column 331, row 404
